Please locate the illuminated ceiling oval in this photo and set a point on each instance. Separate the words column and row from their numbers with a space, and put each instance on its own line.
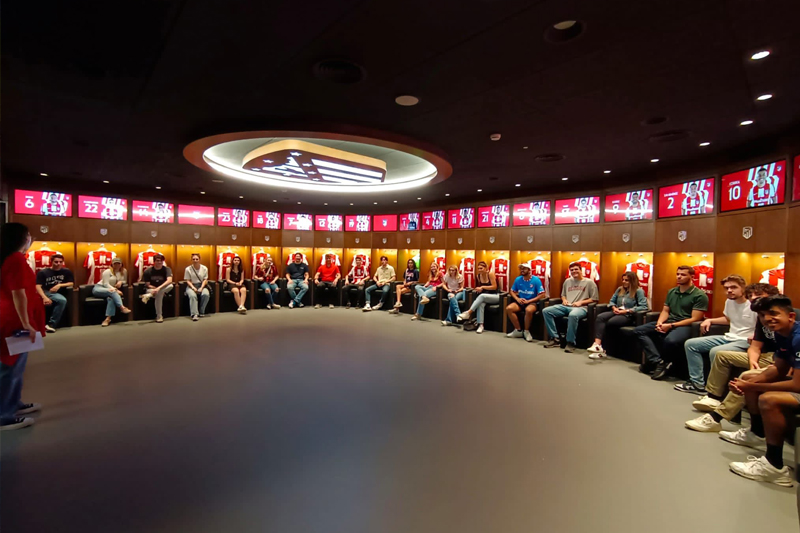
column 321, row 161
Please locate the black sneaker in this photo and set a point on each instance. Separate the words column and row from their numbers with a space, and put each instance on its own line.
column 691, row 388
column 28, row 408
column 17, row 423
column 647, row 367
column 662, row 368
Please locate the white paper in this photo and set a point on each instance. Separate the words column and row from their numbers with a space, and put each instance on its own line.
column 18, row 345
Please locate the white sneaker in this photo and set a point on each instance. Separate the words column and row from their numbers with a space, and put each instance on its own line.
column 759, row 469
column 704, row 424
column 195, row 318
column 480, row 329
column 291, row 304
column 595, row 348
column 598, row 355
column 415, row 317
column 516, row 334
column 49, row 329
column 743, row 437
column 276, row 306
column 398, row 305
column 318, row 306
column 378, row 306
column 330, row 306
column 527, row 335
column 146, row 297
column 425, row 300
column 242, row 310
column 706, row 404
column 463, row 316
column 445, row 323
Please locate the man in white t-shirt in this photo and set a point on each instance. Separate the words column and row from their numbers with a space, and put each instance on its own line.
column 742, row 322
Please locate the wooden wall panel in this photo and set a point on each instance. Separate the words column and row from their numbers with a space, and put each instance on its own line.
column 433, row 240
column 701, row 235
column 331, row 239
column 588, row 238
column 186, row 235
column 771, row 231
column 385, row 240
column 793, row 222
column 55, row 228
column 233, row 236
column 296, row 238
column 142, row 232
column 89, row 230
column 501, row 237
column 266, row 237
column 358, row 240
column 538, row 238
column 409, row 239
column 466, row 236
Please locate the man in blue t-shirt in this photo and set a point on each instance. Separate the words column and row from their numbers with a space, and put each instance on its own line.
column 770, row 395
column 525, row 292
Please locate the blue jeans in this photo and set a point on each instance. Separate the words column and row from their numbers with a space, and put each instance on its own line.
column 454, row 309
column 59, row 304
column 384, row 292
column 269, row 290
column 113, row 300
column 695, row 348
column 298, row 288
column 205, row 295
column 422, row 292
column 11, row 388
column 480, row 303
column 573, row 314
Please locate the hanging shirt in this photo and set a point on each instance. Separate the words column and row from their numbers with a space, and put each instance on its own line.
column 589, row 270
column 467, row 269
column 96, row 263
column 499, row 268
column 775, row 277
column 40, row 259
column 541, row 269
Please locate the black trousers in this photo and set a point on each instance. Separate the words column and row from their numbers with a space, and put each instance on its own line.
column 610, row 319
column 325, row 293
column 351, row 290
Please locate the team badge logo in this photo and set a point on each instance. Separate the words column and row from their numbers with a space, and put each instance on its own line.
column 103, row 231
column 385, row 222
column 297, row 239
column 626, row 237
column 358, row 240
column 576, row 238
column 491, row 239
column 682, row 236
column 266, row 238
column 44, row 229
column 460, row 240
column 154, row 233
column 529, row 239
column 328, row 240
column 747, row 232
column 233, row 236
column 384, row 240
column 196, row 234
column 433, row 240
column 408, row 240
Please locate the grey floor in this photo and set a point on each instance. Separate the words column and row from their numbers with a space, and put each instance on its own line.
column 340, row 421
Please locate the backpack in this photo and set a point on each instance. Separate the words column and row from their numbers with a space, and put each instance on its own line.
column 471, row 324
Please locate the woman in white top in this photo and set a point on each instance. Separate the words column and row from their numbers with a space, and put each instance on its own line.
column 110, row 288
column 454, row 285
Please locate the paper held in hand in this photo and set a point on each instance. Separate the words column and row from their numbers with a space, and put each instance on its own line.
column 17, row 345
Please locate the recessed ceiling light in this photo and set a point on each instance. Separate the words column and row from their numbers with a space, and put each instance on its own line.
column 564, row 179
column 275, row 201
column 448, row 194
column 495, row 136
column 517, row 185
column 704, row 143
column 406, row 100
column 158, row 187
column 298, row 203
column 395, row 201
column 764, row 97
column 656, row 160
column 326, row 203
column 351, row 203
column 202, row 192
column 242, row 197
column 760, row 55
column 524, row 147
column 480, row 190
column 419, row 198
column 606, row 172
column 374, row 203
column 745, row 122
column 42, row 174
column 106, row 181
column 218, row 181
column 564, row 24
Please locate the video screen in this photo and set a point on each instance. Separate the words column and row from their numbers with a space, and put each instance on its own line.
column 266, row 220
column 302, row 222
column 584, row 210
column 409, row 222
column 759, row 186
column 384, row 223
column 102, row 207
column 328, row 222
column 433, row 220
column 232, row 218
column 493, row 216
column 796, row 179
column 200, row 215
column 631, row 205
column 532, row 213
column 161, row 212
column 51, row 204
column 463, row 218
column 357, row 223
column 686, row 199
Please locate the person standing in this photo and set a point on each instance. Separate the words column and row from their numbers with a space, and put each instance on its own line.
column 628, row 300
column 21, row 309
column 267, row 274
column 297, row 277
column 235, row 280
column 384, row 277
column 48, row 282
column 576, row 295
column 110, row 288
column 410, row 278
column 453, row 283
column 158, row 282
column 526, row 291
column 486, row 289
column 196, row 277
column 326, row 280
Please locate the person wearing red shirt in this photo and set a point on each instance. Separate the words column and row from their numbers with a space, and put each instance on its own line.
column 22, row 310
column 326, row 280
column 267, row 274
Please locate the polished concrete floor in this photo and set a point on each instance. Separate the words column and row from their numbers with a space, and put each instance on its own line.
column 307, row 420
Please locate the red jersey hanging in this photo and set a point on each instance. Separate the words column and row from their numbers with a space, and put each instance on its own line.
column 259, row 258
column 467, row 269
column 40, row 259
column 441, row 263
column 290, row 258
column 540, row 268
column 644, row 272
column 334, row 259
column 589, row 269
column 499, row 267
column 145, row 260
column 774, row 276
column 704, row 279
column 96, row 262
column 224, row 260
column 357, row 273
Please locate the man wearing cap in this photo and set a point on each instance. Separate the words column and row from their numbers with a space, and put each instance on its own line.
column 576, row 295
column 158, row 282
column 526, row 291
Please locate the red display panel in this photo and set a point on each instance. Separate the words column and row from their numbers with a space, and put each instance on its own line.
column 409, row 221
column 296, row 221
column 52, row 204
column 584, row 210
column 232, row 218
column 161, row 212
column 357, row 223
column 493, row 216
column 796, row 179
column 433, row 220
column 328, row 222
column 631, row 205
column 102, row 207
column 532, row 214
column 201, row 215
column 463, row 218
column 384, row 223
column 266, row 220
column 759, row 186
column 686, row 199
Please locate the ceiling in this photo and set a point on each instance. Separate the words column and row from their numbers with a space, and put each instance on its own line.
column 91, row 93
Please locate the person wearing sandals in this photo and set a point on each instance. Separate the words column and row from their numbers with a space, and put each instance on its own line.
column 196, row 276
column 428, row 289
column 486, row 289
column 627, row 300
column 453, row 283
column 267, row 274
column 110, row 288
column 158, row 282
column 235, row 280
column 410, row 279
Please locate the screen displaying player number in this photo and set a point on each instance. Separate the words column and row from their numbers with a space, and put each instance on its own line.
column 266, row 220
column 631, row 205
column 102, row 207
column 357, row 223
column 532, row 213
column 686, row 199
column 433, row 220
column 409, row 222
column 161, row 212
column 463, row 218
column 585, row 210
column 493, row 216
column 759, row 186
column 328, row 222
column 52, row 204
column 233, row 218
column 302, row 222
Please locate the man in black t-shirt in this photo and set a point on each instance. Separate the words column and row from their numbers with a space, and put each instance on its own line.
column 297, row 281
column 48, row 282
column 720, row 402
column 158, row 280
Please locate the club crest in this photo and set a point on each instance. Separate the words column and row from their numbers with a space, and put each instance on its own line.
column 233, row 236
column 433, row 240
column 196, row 235
column 682, row 236
column 154, row 233
column 44, row 229
column 460, row 240
column 491, row 239
column 408, row 240
column 103, row 231
column 626, row 237
column 297, row 239
column 358, row 240
column 747, row 232
column 328, row 240
column 384, row 240
column 529, row 238
column 266, row 238
column 576, row 238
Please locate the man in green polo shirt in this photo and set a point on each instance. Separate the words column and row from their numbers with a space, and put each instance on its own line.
column 685, row 304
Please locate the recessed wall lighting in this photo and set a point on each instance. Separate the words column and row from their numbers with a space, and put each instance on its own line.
column 298, row 203
column 351, row 203
column 42, row 174
column 241, row 197
column 217, row 181
column 656, row 160
column 517, row 185
column 764, row 97
column 395, row 201
column 419, row 198
column 326, row 203
column 704, row 144
column 275, row 201
column 606, row 172
column 480, row 190
column 202, row 192
column 406, row 100
column 374, row 203
column 524, row 147
column 760, row 55
column 448, row 194
column 745, row 122
column 564, row 179
column 158, row 187
column 106, row 181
